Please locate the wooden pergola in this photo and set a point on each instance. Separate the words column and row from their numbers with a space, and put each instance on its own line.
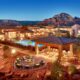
column 58, row 42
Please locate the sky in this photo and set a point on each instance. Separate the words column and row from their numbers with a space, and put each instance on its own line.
column 33, row 10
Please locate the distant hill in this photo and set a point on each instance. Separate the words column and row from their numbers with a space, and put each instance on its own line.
column 9, row 23
column 15, row 23
column 62, row 19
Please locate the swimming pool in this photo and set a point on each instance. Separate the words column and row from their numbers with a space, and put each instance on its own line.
column 27, row 43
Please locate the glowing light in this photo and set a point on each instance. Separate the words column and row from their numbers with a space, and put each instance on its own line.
column 13, row 51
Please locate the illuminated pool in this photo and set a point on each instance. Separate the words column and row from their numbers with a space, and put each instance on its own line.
column 28, row 43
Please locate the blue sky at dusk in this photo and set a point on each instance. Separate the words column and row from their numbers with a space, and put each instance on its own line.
column 37, row 9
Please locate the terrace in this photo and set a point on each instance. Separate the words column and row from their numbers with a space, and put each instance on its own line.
column 56, row 42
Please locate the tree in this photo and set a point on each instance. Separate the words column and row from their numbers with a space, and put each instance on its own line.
column 7, row 51
column 57, row 72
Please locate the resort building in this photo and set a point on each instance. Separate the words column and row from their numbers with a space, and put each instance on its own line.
column 9, row 34
column 76, row 30
column 32, row 55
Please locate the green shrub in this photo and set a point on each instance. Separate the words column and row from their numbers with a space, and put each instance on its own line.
column 72, row 69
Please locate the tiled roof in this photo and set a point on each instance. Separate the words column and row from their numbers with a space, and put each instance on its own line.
column 55, row 40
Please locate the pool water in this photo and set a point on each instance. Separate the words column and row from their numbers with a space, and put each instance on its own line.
column 27, row 43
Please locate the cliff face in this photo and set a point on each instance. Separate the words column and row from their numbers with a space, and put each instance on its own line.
column 62, row 19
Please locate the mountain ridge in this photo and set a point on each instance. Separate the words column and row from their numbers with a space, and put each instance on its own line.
column 62, row 19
